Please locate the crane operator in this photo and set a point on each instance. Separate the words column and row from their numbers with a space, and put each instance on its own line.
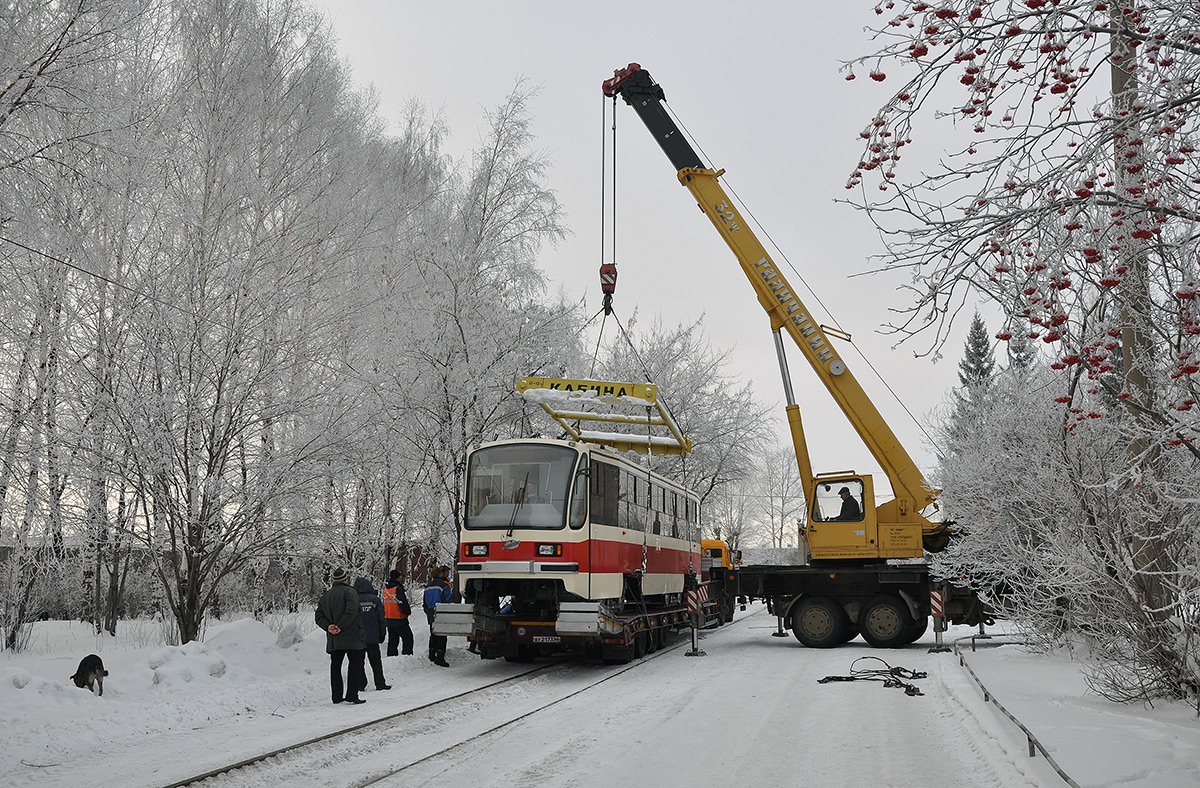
column 850, row 508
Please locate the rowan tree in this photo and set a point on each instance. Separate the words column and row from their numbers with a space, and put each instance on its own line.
column 1074, row 203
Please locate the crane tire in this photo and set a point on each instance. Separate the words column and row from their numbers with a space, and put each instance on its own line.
column 819, row 622
column 885, row 622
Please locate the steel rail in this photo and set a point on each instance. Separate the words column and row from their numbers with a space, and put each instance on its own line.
column 474, row 739
column 352, row 729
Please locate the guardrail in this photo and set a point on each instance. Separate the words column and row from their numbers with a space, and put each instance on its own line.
column 1035, row 746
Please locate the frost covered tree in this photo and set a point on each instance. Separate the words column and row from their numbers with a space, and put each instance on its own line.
column 55, row 106
column 780, row 497
column 480, row 316
column 1073, row 204
column 246, row 332
column 729, row 514
column 226, row 407
column 977, row 366
column 726, row 424
column 976, row 375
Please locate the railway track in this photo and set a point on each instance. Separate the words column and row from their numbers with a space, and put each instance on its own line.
column 372, row 752
column 473, row 733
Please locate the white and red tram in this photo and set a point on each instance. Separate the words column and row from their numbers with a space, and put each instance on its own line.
column 552, row 523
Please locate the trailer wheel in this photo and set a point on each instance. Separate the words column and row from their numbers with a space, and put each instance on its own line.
column 819, row 622
column 641, row 643
column 885, row 622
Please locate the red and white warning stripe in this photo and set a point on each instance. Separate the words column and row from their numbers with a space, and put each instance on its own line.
column 937, row 602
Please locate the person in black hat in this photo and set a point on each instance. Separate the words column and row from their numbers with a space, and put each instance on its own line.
column 850, row 507
column 339, row 615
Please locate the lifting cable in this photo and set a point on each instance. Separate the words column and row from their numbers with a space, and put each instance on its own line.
column 898, row 677
column 608, row 271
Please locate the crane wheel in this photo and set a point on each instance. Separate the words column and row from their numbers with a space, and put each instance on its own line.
column 885, row 622
column 936, row 542
column 919, row 628
column 819, row 622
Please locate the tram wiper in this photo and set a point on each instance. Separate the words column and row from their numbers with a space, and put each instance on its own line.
column 520, row 500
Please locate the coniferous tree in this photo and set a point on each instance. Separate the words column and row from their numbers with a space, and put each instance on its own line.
column 1021, row 354
column 976, row 373
column 978, row 365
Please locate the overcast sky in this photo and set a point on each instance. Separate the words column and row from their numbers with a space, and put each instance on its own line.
column 757, row 86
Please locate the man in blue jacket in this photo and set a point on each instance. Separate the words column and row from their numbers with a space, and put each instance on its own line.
column 372, row 619
column 438, row 590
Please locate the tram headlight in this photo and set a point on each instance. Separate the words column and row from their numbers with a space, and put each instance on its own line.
column 549, row 550
column 475, row 550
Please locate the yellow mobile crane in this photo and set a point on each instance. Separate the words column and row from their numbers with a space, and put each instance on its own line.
column 835, row 531
column 849, row 587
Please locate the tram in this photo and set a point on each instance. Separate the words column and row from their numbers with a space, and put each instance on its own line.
column 549, row 522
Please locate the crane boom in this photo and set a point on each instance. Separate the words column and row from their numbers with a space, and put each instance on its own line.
column 891, row 530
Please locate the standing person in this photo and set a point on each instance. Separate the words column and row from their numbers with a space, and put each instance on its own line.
column 339, row 615
column 438, row 590
column 396, row 611
column 372, row 620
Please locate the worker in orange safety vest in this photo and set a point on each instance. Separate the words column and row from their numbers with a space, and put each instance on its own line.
column 396, row 611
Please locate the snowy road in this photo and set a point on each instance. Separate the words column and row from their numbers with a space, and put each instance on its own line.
column 751, row 711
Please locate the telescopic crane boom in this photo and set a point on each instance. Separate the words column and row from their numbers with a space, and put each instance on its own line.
column 895, row 529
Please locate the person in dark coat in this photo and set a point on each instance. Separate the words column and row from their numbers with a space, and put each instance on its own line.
column 396, row 611
column 438, row 590
column 850, row 509
column 338, row 613
column 372, row 618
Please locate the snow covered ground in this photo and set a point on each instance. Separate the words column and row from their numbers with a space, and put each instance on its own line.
column 751, row 710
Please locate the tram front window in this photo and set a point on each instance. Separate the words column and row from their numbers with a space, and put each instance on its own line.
column 519, row 486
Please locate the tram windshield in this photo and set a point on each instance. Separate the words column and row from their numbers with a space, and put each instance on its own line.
column 519, row 485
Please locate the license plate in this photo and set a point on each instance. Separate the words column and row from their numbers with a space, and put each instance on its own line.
column 546, row 639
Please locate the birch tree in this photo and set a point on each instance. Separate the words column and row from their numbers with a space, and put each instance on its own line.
column 224, row 412
column 53, row 113
column 727, row 425
column 488, row 321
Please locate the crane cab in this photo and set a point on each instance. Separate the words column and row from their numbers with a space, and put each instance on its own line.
column 844, row 522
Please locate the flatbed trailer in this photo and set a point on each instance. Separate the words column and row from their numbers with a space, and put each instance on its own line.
column 587, row 629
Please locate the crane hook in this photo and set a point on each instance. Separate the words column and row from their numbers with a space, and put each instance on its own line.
column 608, row 284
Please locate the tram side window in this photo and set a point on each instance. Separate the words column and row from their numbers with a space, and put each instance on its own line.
column 606, row 490
column 662, row 517
column 630, row 511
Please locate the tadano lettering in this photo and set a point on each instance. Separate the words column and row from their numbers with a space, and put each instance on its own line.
column 793, row 310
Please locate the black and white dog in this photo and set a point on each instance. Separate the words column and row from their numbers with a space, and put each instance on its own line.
column 91, row 674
